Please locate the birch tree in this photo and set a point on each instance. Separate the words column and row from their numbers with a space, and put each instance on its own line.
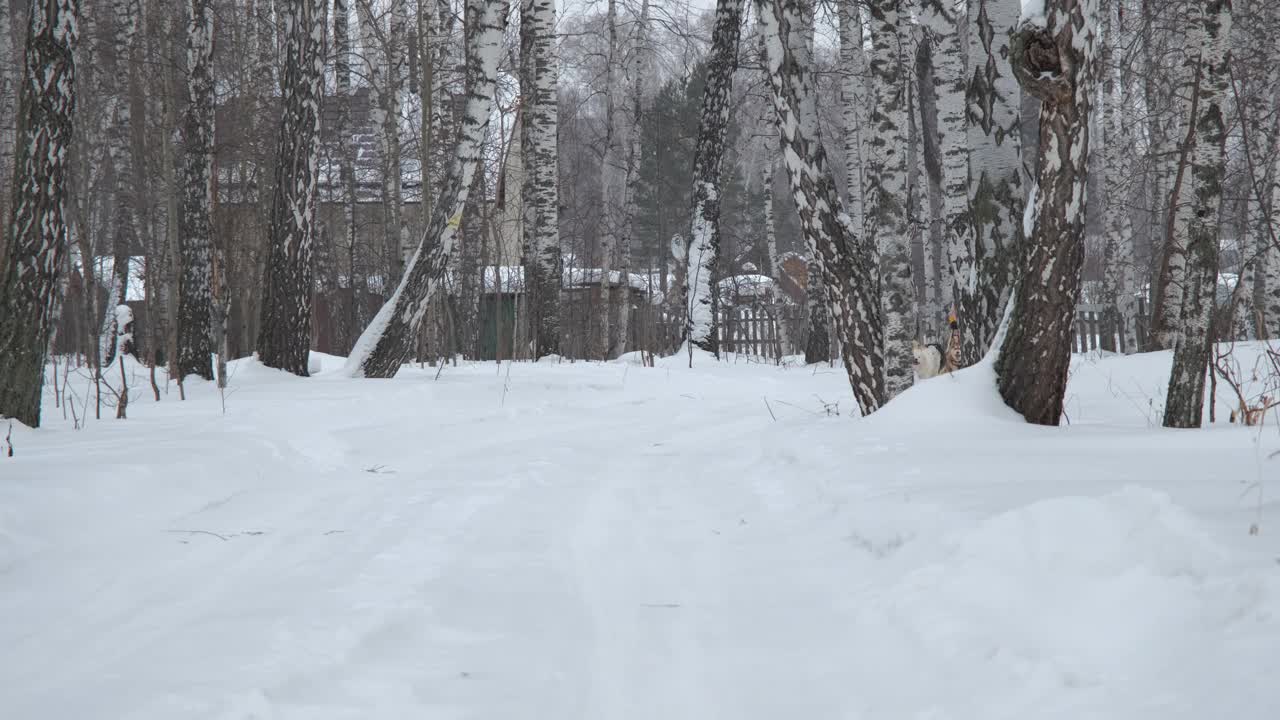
column 887, row 217
column 942, row 20
column 32, row 256
column 639, row 67
column 346, row 159
column 995, row 175
column 1053, row 58
column 284, row 336
column 540, row 195
column 1120, row 279
column 848, row 260
column 124, row 225
column 385, row 344
column 384, row 62
column 704, row 232
column 852, row 100
column 1210, row 32
column 195, row 235
column 613, row 181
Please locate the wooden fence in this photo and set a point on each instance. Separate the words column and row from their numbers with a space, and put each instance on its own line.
column 1096, row 329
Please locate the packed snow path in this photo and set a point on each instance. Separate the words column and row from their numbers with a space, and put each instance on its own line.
column 605, row 541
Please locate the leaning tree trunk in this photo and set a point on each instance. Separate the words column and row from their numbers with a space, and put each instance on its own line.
column 887, row 216
column 385, row 344
column 284, row 338
column 1055, row 62
column 195, row 235
column 704, row 233
column 1211, row 27
column 848, row 261
column 540, row 197
column 37, row 231
column 995, row 176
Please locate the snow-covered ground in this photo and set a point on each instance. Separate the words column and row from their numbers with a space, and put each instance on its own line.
column 601, row 541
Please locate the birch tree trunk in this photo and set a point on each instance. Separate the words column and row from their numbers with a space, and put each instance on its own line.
column 887, row 217
column 995, row 176
column 639, row 69
column 37, row 230
column 852, row 98
column 1210, row 31
column 799, row 40
column 540, row 196
column 612, row 179
column 346, row 161
column 385, row 344
column 942, row 21
column 1166, row 314
column 848, row 261
column 713, row 128
column 1120, row 280
column 1054, row 61
column 384, row 65
column 195, row 235
column 124, row 224
column 284, row 336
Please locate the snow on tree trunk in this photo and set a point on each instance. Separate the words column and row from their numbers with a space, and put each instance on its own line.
column 848, row 261
column 995, row 175
column 37, row 230
column 852, row 102
column 1210, row 30
column 540, row 196
column 1120, row 280
column 385, row 344
column 284, row 335
column 887, row 217
column 1054, row 60
column 942, row 21
column 713, row 128
column 195, row 234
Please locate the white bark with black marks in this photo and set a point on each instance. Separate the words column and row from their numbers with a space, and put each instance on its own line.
column 540, row 195
column 1210, row 31
column 195, row 227
column 37, row 230
column 1055, row 62
column 887, row 216
column 996, row 193
column 704, row 232
column 848, row 260
column 284, row 335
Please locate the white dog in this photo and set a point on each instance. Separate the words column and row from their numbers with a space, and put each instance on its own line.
column 930, row 360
